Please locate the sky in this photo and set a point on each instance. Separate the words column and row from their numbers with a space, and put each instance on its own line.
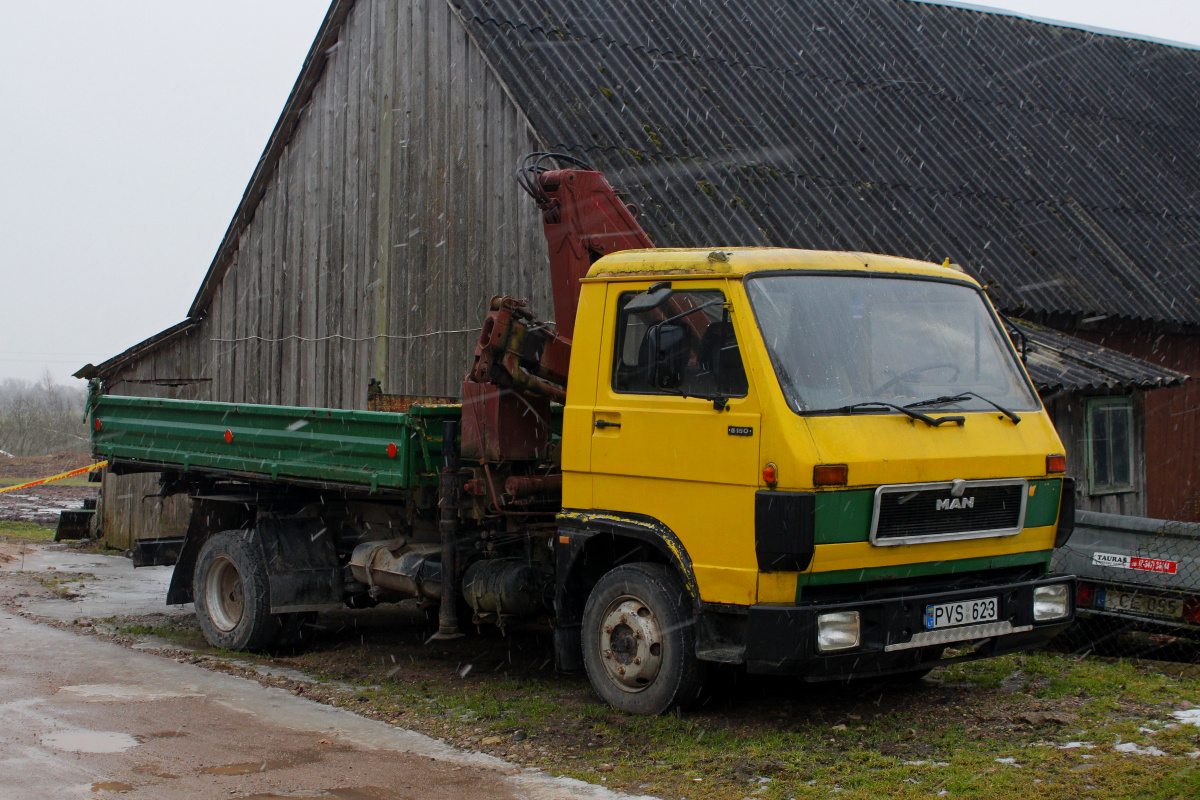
column 128, row 132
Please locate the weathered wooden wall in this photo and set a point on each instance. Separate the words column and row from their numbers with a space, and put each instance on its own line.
column 389, row 220
column 129, row 507
column 1068, row 414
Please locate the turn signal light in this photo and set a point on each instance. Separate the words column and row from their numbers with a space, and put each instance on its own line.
column 831, row 475
column 770, row 477
column 1056, row 463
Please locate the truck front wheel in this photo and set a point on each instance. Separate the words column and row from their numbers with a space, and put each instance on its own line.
column 639, row 644
column 232, row 593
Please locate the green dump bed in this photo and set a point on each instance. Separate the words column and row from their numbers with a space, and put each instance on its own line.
column 372, row 450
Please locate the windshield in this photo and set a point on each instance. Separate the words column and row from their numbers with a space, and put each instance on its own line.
column 837, row 341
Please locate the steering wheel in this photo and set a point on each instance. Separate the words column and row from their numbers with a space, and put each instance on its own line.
column 909, row 376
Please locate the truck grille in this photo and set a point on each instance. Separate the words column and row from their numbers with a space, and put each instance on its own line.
column 928, row 512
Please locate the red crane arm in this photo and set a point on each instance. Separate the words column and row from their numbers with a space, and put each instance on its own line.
column 521, row 362
column 583, row 218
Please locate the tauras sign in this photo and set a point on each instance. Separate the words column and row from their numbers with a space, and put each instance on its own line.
column 1134, row 562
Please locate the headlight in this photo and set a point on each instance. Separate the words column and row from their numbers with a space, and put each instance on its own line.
column 1051, row 602
column 838, row 630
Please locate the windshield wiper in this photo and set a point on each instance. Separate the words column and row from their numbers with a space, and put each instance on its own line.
column 957, row 398
column 932, row 422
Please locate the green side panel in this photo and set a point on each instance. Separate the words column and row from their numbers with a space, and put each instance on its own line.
column 901, row 571
column 1042, row 508
column 844, row 516
column 312, row 444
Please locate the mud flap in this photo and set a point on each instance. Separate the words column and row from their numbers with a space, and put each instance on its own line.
column 302, row 565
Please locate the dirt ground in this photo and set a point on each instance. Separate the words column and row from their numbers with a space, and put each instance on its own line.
column 42, row 504
column 34, row 467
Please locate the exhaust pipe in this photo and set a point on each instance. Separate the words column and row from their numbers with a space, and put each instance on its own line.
column 395, row 566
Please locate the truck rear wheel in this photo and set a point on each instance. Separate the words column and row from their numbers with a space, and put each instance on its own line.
column 232, row 593
column 639, row 645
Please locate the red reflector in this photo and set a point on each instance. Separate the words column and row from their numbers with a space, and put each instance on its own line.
column 97, row 424
column 1056, row 463
column 228, row 436
column 770, row 477
column 831, row 475
column 1191, row 612
column 391, row 450
column 1083, row 596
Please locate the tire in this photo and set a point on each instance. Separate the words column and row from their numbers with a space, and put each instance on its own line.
column 639, row 640
column 232, row 593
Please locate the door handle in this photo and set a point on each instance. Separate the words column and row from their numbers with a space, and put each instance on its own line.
column 603, row 423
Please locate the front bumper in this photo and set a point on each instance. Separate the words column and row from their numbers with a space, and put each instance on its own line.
column 782, row 640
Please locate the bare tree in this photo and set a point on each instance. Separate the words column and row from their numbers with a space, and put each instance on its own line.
column 40, row 418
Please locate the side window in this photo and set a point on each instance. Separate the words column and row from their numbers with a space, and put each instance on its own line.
column 1110, row 444
column 686, row 347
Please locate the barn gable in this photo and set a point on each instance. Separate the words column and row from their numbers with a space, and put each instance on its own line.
column 379, row 221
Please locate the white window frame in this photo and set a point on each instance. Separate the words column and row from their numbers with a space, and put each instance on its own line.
column 1115, row 488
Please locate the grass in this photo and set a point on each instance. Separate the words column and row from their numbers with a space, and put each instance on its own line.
column 174, row 632
column 765, row 737
column 26, row 531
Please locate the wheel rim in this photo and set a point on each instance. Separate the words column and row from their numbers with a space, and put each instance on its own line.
column 630, row 643
column 223, row 594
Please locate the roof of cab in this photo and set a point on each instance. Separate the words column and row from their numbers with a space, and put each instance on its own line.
column 738, row 261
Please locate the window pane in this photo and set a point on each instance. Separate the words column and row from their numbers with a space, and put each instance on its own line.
column 841, row 340
column 1119, row 422
column 1110, row 425
column 1101, row 476
column 698, row 351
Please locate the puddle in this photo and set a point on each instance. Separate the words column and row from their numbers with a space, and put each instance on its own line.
column 122, row 692
column 112, row 786
column 90, row 741
column 264, row 765
column 153, row 770
column 358, row 793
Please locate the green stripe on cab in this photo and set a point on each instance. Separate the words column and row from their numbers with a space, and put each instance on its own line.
column 844, row 516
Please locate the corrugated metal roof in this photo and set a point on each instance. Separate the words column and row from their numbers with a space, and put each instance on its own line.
column 1058, row 362
column 1059, row 166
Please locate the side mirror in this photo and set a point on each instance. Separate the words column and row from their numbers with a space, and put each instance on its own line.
column 666, row 351
column 650, row 299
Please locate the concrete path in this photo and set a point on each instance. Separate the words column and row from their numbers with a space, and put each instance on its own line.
column 84, row 718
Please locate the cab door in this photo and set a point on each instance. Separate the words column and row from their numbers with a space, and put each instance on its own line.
column 677, row 439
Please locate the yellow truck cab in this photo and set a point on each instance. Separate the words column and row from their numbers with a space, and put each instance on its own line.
column 838, row 459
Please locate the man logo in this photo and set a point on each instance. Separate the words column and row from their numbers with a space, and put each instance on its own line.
column 952, row 503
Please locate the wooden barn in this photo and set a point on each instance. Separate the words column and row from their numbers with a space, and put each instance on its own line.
column 1057, row 165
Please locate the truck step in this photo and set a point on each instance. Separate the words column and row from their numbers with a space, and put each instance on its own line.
column 723, row 655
